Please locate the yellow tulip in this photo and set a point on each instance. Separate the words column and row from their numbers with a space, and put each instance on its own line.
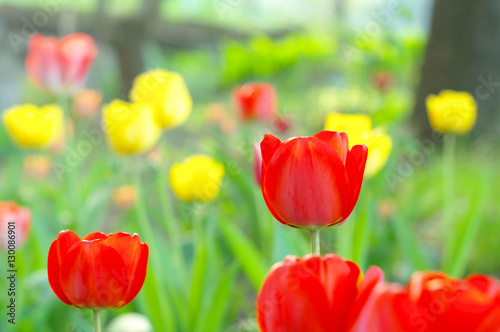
column 130, row 128
column 33, row 127
column 167, row 92
column 379, row 147
column 198, row 178
column 452, row 112
column 358, row 128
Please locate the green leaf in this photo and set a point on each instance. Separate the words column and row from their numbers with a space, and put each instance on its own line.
column 251, row 260
column 212, row 319
column 407, row 241
column 469, row 228
column 197, row 281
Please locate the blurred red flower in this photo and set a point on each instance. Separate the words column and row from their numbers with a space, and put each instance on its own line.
column 60, row 66
column 317, row 294
column 256, row 101
column 99, row 271
column 435, row 302
column 383, row 80
column 20, row 223
column 312, row 182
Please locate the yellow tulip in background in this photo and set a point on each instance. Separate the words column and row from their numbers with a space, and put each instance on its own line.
column 198, row 178
column 358, row 128
column 130, row 127
column 452, row 112
column 167, row 92
column 32, row 127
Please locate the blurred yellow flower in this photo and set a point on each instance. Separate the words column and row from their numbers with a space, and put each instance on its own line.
column 452, row 112
column 167, row 92
column 130, row 128
column 33, row 127
column 358, row 128
column 198, row 178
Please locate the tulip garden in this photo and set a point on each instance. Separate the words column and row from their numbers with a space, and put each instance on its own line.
column 255, row 194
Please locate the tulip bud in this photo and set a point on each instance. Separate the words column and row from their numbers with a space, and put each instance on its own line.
column 312, row 182
column 99, row 271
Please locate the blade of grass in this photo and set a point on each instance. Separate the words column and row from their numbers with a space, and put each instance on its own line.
column 362, row 231
column 197, row 282
column 251, row 260
column 469, row 229
column 410, row 246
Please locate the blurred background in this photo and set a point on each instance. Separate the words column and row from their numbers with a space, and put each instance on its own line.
column 379, row 58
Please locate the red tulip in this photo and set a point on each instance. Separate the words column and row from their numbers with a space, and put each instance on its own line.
column 312, row 182
column 441, row 303
column 99, row 271
column 60, row 66
column 316, row 294
column 256, row 101
column 17, row 221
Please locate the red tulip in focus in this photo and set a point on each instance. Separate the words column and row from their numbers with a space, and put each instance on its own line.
column 436, row 302
column 99, row 271
column 60, row 66
column 312, row 182
column 256, row 101
column 317, row 294
column 15, row 224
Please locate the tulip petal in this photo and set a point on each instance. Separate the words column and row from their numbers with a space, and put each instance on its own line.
column 77, row 51
column 290, row 293
column 338, row 141
column 340, row 278
column 138, row 274
column 94, row 275
column 305, row 183
column 65, row 240
column 268, row 147
column 355, row 167
column 95, row 236
column 135, row 257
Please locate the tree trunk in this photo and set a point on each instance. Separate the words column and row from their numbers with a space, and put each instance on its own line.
column 463, row 53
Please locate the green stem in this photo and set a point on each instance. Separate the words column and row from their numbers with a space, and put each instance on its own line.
column 448, row 190
column 315, row 241
column 97, row 320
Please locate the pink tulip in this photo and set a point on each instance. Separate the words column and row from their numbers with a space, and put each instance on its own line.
column 15, row 224
column 60, row 66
